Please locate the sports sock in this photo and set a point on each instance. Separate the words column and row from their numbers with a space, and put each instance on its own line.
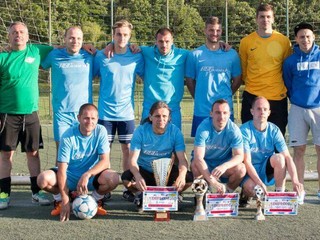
column 96, row 195
column 5, row 185
column 229, row 190
column 34, row 186
column 57, row 197
column 279, row 189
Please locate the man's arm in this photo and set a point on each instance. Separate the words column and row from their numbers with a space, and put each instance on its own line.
column 244, row 59
column 134, row 169
column 251, row 171
column 183, row 167
column 191, row 85
column 237, row 158
column 236, row 83
column 202, row 168
column 297, row 186
column 103, row 164
column 63, row 188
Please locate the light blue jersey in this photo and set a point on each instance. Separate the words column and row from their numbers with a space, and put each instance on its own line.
column 72, row 77
column 262, row 145
column 82, row 152
column 218, row 145
column 213, row 72
column 163, row 79
column 117, row 84
column 153, row 146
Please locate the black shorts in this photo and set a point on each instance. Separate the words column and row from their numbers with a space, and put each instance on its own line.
column 278, row 115
column 149, row 177
column 21, row 128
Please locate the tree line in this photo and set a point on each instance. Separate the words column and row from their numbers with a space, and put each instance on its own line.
column 186, row 18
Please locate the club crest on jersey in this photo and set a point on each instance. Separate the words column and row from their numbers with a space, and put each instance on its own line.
column 29, row 60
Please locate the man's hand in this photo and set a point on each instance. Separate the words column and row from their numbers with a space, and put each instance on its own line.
column 109, row 50
column 180, row 183
column 134, row 48
column 82, row 187
column 225, row 46
column 65, row 210
column 218, row 171
column 140, row 184
column 89, row 48
column 298, row 187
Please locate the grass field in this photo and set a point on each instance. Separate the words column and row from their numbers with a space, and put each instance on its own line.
column 23, row 220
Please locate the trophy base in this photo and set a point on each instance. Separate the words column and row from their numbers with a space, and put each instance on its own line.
column 200, row 217
column 260, row 217
column 162, row 216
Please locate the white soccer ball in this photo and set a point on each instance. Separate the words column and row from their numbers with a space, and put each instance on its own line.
column 84, row 207
column 199, row 186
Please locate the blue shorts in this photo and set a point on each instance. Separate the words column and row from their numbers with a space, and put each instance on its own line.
column 61, row 122
column 72, row 181
column 124, row 129
column 265, row 173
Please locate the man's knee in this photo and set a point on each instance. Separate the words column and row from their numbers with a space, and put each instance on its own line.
column 278, row 161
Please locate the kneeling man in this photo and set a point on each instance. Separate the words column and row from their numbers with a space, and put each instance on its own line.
column 264, row 166
column 83, row 164
column 218, row 150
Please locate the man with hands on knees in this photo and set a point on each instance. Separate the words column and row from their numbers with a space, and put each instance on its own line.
column 156, row 138
column 218, row 150
column 265, row 167
column 83, row 164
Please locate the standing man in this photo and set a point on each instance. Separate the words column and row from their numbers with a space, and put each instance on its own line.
column 19, row 121
column 218, row 150
column 262, row 54
column 71, row 76
column 164, row 75
column 83, row 164
column 117, row 84
column 265, row 167
column 212, row 73
column 301, row 73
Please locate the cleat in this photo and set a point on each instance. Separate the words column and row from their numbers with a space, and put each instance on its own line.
column 129, row 196
column 180, row 198
column 41, row 199
column 56, row 208
column 244, row 201
column 101, row 211
column 138, row 201
column 106, row 197
column 73, row 195
column 4, row 200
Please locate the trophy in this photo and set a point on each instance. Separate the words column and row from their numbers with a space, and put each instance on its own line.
column 259, row 193
column 199, row 187
column 161, row 170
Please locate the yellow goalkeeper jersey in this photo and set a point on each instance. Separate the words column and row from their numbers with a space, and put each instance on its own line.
column 261, row 61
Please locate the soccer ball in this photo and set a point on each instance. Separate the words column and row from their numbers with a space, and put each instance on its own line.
column 84, row 207
column 199, row 186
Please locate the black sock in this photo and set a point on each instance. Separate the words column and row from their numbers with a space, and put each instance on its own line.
column 34, row 186
column 5, row 185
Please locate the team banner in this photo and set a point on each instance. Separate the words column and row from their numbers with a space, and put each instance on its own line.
column 157, row 198
column 281, row 203
column 222, row 205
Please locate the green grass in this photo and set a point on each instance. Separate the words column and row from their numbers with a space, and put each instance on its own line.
column 22, row 220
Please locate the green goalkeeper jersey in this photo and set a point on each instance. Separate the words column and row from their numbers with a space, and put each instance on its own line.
column 19, row 71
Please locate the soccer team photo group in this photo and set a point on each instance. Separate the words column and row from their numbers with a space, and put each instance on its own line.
column 220, row 167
